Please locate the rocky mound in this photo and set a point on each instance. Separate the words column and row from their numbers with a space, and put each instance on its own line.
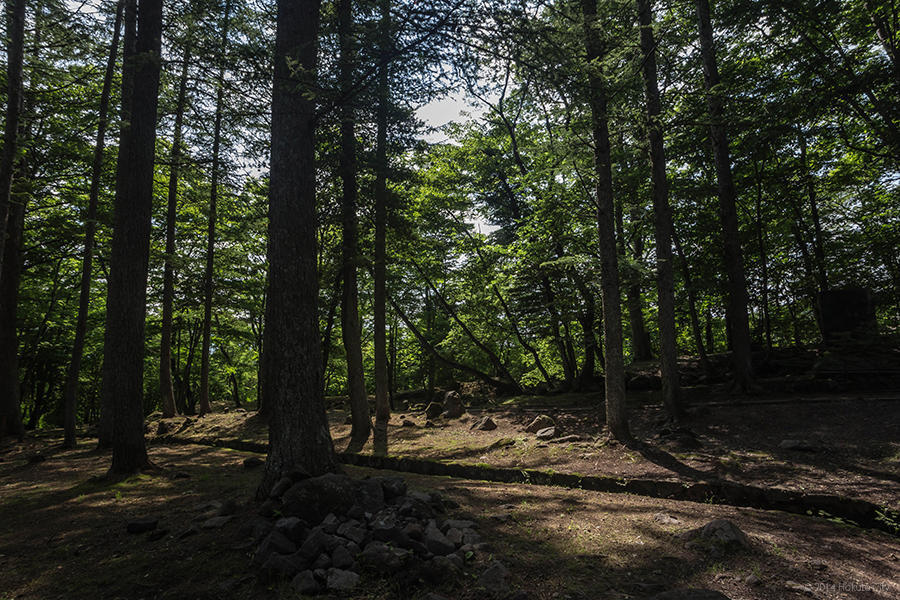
column 323, row 532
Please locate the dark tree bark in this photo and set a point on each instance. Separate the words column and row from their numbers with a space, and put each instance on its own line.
column 382, row 403
column 166, row 386
column 692, row 301
column 10, row 415
column 15, row 52
column 818, row 238
column 351, row 330
column 129, row 38
column 90, row 224
column 213, row 207
column 662, row 211
column 616, row 410
column 640, row 339
column 763, row 255
column 550, row 302
column 291, row 362
column 731, row 240
column 123, row 351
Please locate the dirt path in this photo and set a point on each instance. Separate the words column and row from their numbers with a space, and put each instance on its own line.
column 63, row 536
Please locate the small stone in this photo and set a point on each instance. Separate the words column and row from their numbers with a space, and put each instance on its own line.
column 317, row 542
column 157, row 534
column 547, row 433
column 142, row 525
column 752, row 580
column 441, row 568
column 665, row 519
column 253, row 461
column 322, row 562
column 269, row 508
column 455, row 536
column 340, row 580
column 352, row 531
column 341, row 558
column 274, row 543
column 484, row 424
column 305, row 583
column 330, row 524
column 281, row 565
column 494, row 578
column 721, row 533
column 382, row 557
column 540, row 422
column 407, row 423
column 798, row 587
column 293, row 527
column 430, row 425
column 436, row 542
column 566, row 439
column 215, row 522
column 393, row 487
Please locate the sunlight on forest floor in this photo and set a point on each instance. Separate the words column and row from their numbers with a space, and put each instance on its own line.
column 70, row 541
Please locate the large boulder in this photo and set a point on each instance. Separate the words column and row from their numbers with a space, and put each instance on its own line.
column 453, row 405
column 433, row 410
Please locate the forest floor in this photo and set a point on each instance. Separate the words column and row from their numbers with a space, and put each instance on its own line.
column 846, row 445
column 63, row 535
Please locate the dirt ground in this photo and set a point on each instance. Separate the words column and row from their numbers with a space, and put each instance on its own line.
column 850, row 444
column 62, row 535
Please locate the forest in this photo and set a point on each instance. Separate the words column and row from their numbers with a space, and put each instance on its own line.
column 529, row 242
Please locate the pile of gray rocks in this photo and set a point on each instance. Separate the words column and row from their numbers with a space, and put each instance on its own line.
column 323, row 532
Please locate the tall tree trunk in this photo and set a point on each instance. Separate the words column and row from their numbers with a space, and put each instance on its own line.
column 291, row 362
column 587, row 318
column 213, row 207
column 351, row 330
column 640, row 339
column 731, row 240
column 129, row 39
column 90, row 225
column 818, row 238
column 616, row 410
column 763, row 256
column 692, row 302
column 123, row 351
column 10, row 415
column 550, row 301
column 662, row 212
column 15, row 52
column 165, row 345
column 382, row 403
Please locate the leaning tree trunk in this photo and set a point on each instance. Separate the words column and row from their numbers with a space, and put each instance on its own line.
column 616, row 411
column 291, row 363
column 211, row 234
column 90, row 225
column 167, row 389
column 662, row 211
column 15, row 52
column 123, row 351
column 351, row 330
column 731, row 241
column 382, row 403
